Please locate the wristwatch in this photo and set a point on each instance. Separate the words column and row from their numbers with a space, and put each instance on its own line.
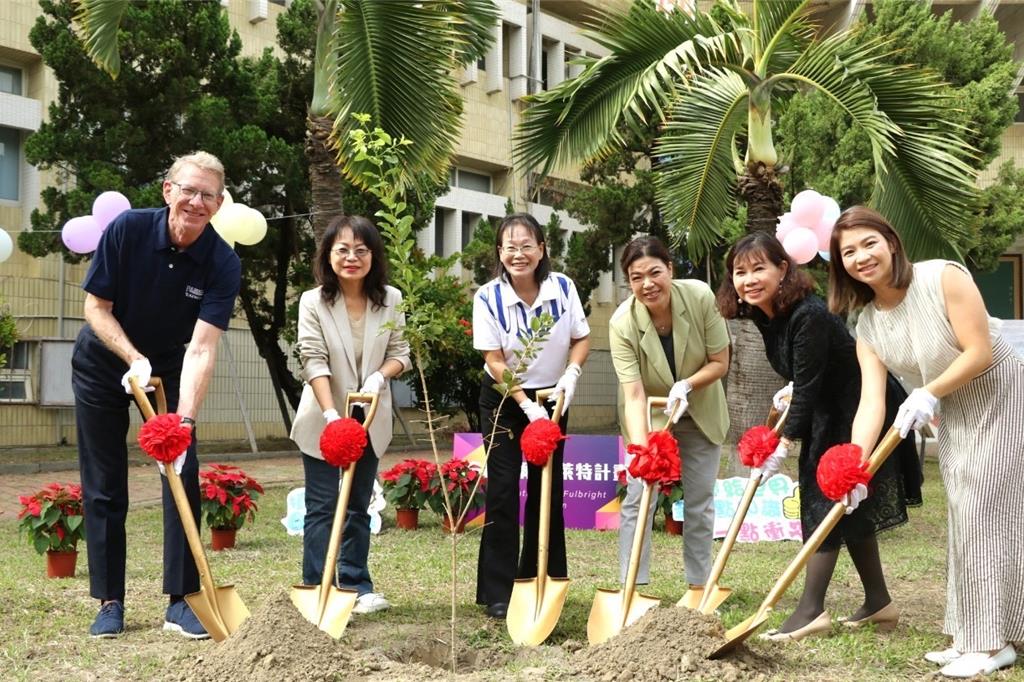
column 189, row 421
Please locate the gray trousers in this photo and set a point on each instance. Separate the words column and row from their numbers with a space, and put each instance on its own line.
column 700, row 460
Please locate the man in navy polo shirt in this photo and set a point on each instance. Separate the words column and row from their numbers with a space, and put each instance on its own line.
column 159, row 292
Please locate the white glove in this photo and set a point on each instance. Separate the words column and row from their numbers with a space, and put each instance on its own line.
column 331, row 415
column 142, row 371
column 566, row 385
column 853, row 498
column 916, row 411
column 179, row 463
column 771, row 466
column 374, row 383
column 677, row 398
column 533, row 411
column 783, row 396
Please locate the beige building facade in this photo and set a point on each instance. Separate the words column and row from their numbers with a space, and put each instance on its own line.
column 530, row 52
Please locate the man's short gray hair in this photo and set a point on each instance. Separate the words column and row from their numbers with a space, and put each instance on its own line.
column 201, row 160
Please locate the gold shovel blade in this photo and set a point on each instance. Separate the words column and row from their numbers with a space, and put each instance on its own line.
column 606, row 616
column 737, row 634
column 532, row 615
column 691, row 598
column 336, row 613
column 715, row 599
column 230, row 606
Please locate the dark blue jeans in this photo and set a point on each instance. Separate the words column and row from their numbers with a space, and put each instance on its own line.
column 321, row 499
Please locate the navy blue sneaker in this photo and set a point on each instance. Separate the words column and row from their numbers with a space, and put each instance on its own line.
column 109, row 621
column 179, row 618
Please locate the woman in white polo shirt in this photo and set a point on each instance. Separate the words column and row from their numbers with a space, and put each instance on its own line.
column 523, row 288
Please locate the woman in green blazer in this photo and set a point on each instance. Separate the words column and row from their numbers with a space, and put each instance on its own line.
column 668, row 339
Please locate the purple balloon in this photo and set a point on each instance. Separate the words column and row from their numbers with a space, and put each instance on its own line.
column 108, row 206
column 81, row 234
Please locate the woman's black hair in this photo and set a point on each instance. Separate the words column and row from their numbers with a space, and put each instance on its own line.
column 362, row 230
column 644, row 247
column 537, row 232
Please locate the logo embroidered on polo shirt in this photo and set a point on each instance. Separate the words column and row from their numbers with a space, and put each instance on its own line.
column 193, row 292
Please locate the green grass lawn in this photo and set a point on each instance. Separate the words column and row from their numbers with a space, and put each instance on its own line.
column 45, row 622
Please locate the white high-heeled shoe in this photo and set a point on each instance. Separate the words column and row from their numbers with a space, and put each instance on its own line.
column 980, row 663
column 944, row 657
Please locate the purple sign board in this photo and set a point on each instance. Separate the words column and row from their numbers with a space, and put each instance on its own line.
column 589, row 471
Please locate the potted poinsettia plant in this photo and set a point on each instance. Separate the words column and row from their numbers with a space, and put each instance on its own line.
column 459, row 478
column 670, row 492
column 407, row 487
column 53, row 519
column 228, row 500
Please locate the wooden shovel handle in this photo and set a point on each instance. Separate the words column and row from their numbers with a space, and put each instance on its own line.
column 544, row 520
column 188, row 521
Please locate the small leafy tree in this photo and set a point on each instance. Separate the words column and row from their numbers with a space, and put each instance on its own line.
column 380, row 156
column 8, row 333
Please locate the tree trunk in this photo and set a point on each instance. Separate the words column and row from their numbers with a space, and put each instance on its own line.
column 751, row 381
column 324, row 177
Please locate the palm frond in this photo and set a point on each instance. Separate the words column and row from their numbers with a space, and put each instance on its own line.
column 100, row 20
column 696, row 175
column 926, row 188
column 775, row 23
column 394, row 62
column 475, row 21
column 651, row 54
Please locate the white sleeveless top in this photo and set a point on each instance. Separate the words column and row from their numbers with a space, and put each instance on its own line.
column 915, row 340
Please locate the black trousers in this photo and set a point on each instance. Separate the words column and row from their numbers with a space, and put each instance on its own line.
column 102, row 417
column 500, row 561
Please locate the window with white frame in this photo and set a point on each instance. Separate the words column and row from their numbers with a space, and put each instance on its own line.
column 10, row 163
column 10, row 80
column 16, row 374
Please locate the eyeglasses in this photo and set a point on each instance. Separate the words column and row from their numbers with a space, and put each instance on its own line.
column 342, row 252
column 526, row 249
column 191, row 193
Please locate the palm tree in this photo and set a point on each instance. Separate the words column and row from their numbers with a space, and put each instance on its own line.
column 710, row 80
column 392, row 60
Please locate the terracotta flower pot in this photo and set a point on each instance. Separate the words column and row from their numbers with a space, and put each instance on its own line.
column 407, row 519
column 673, row 527
column 222, row 538
column 61, row 564
column 447, row 527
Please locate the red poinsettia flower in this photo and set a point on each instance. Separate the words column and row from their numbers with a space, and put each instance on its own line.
column 757, row 445
column 164, row 438
column 840, row 469
column 539, row 440
column 343, row 442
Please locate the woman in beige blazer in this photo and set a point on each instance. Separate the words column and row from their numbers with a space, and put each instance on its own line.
column 343, row 347
column 668, row 339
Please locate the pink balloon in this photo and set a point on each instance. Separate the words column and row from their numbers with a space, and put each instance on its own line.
column 807, row 208
column 801, row 244
column 785, row 224
column 108, row 206
column 81, row 234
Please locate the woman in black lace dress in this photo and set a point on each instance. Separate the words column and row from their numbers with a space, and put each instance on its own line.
column 810, row 347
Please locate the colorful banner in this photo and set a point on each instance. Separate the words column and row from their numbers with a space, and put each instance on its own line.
column 589, row 470
column 774, row 512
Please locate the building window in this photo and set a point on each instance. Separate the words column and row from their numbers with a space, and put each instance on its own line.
column 469, row 222
column 15, row 377
column 1019, row 118
column 10, row 80
column 10, row 163
column 478, row 182
column 439, row 231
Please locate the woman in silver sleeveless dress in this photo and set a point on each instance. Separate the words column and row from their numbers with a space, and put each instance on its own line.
column 927, row 323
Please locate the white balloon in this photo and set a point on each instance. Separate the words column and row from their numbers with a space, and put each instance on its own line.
column 254, row 228
column 229, row 221
column 6, row 245
column 824, row 256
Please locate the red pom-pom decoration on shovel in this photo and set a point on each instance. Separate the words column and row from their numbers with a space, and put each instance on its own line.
column 539, row 440
column 658, row 460
column 164, row 437
column 840, row 470
column 757, row 445
column 343, row 442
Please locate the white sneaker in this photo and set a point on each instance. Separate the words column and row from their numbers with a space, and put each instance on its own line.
column 370, row 602
column 944, row 657
column 980, row 663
